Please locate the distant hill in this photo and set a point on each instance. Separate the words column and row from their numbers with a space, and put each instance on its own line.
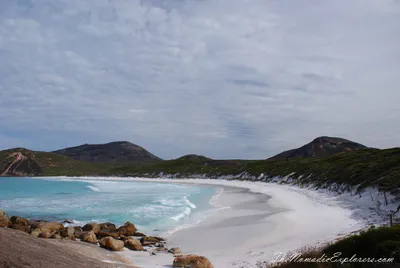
column 120, row 151
column 194, row 157
column 24, row 162
column 320, row 147
column 20, row 163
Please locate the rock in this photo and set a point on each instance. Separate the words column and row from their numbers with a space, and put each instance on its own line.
column 3, row 219
column 68, row 232
column 161, row 249
column 19, row 221
column 127, row 229
column 23, row 228
column 45, row 234
column 108, row 232
column 95, row 227
column 56, row 236
column 192, row 261
column 149, row 239
column 175, row 251
column 48, row 226
column 139, row 234
column 108, row 225
column 112, row 244
column 80, row 234
column 35, row 233
column 67, row 221
column 90, row 237
column 160, row 238
column 133, row 244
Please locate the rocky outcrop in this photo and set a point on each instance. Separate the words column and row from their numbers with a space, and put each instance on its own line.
column 120, row 151
column 112, row 244
column 21, row 164
column 4, row 220
column 133, row 244
column 320, row 147
column 192, row 261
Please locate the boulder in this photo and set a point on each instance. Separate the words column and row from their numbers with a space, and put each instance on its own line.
column 192, row 261
column 133, row 244
column 127, row 229
column 112, row 244
column 19, row 221
column 139, row 234
column 48, row 226
column 160, row 238
column 79, row 234
column 68, row 232
column 3, row 219
column 35, row 233
column 108, row 232
column 175, row 251
column 23, row 228
column 90, row 237
column 148, row 240
column 45, row 234
column 107, row 225
column 56, row 236
column 92, row 226
column 67, row 221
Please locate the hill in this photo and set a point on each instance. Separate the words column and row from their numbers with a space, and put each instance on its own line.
column 37, row 163
column 360, row 168
column 320, row 147
column 120, row 151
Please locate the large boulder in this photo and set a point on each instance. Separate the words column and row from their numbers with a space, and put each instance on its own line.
column 108, row 232
column 19, row 221
column 23, row 228
column 48, row 227
column 112, row 244
column 133, row 244
column 127, row 229
column 192, row 261
column 3, row 219
column 92, row 226
column 90, row 237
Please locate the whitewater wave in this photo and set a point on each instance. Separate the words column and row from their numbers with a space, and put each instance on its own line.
column 93, row 188
column 189, row 203
column 187, row 211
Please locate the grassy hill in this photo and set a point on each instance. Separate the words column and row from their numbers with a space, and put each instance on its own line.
column 58, row 165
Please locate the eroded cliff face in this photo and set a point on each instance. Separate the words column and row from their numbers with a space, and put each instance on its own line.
column 19, row 164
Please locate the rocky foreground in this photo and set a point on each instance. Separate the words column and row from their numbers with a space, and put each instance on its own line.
column 18, row 249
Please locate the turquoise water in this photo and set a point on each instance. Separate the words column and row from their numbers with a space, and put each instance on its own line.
column 151, row 206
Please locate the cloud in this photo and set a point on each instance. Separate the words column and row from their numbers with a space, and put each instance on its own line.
column 228, row 79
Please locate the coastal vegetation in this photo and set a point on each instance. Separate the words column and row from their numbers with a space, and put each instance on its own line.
column 376, row 247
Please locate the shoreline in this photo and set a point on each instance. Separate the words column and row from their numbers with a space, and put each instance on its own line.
column 289, row 219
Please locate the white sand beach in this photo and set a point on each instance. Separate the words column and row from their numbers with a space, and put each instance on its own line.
column 253, row 222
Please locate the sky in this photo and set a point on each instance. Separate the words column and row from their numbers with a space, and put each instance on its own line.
column 221, row 78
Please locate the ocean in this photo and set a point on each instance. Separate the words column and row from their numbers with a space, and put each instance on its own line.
column 156, row 208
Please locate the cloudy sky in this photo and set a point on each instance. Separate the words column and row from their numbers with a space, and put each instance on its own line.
column 223, row 78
